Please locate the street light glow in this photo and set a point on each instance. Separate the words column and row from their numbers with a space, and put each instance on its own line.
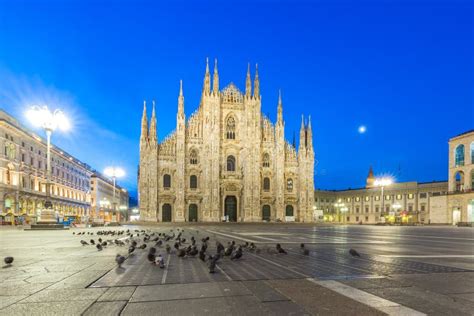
column 383, row 182
column 41, row 116
column 116, row 172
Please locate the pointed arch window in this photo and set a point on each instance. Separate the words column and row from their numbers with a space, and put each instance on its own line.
column 230, row 128
column 266, row 160
column 193, row 157
column 266, row 184
column 167, row 181
column 289, row 185
column 193, row 182
column 231, row 163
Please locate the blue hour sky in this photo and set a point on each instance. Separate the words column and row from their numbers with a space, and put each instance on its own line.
column 404, row 69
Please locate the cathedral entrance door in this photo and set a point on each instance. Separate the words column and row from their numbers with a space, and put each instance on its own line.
column 231, row 208
column 166, row 213
column 193, row 213
column 266, row 212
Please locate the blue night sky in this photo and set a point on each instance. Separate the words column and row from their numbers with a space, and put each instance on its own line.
column 403, row 69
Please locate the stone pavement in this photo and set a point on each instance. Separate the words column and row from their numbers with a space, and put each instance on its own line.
column 53, row 274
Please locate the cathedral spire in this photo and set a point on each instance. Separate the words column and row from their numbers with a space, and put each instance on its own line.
column 215, row 80
column 256, row 84
column 309, row 135
column 302, row 135
column 152, row 132
column 280, row 109
column 207, row 79
column 248, row 83
column 180, row 101
column 294, row 139
column 144, row 131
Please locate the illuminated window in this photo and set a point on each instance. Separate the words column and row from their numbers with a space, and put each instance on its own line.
column 459, row 155
column 357, row 199
column 289, row 186
column 387, row 197
column 410, row 195
column 399, row 196
column 367, row 198
column 377, row 198
column 348, row 199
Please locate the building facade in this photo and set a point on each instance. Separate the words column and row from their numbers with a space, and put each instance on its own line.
column 105, row 205
column 23, row 175
column 460, row 201
column 226, row 161
column 405, row 202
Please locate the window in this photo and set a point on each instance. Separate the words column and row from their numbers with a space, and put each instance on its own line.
column 348, row 218
column 422, row 207
column 367, row 198
column 422, row 195
column 436, row 193
column 22, row 144
column 366, row 218
column 459, row 181
column 230, row 163
column 387, row 197
column 459, row 156
column 410, row 208
column 357, row 218
column 289, row 210
column 266, row 160
column 366, row 209
column 387, row 208
column 376, row 209
column 39, row 164
column 193, row 182
column 377, row 198
column 193, row 157
column 266, row 184
column 167, row 181
column 289, row 186
column 22, row 157
column 357, row 199
column 472, row 152
column 410, row 195
column 230, row 128
column 357, row 209
column 399, row 196
column 348, row 199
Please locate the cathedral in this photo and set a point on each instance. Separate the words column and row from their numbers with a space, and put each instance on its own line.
column 227, row 161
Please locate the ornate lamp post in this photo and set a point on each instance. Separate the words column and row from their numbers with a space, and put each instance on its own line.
column 382, row 183
column 114, row 173
column 41, row 116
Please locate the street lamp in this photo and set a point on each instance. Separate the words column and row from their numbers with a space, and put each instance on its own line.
column 382, row 183
column 41, row 116
column 344, row 209
column 114, row 173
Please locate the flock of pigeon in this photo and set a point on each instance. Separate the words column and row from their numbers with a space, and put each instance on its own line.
column 175, row 243
column 139, row 239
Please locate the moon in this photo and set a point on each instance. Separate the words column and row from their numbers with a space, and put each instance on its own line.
column 362, row 129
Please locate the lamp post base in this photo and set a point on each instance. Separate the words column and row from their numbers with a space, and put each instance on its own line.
column 47, row 221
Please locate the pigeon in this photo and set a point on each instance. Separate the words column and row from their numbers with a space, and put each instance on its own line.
column 168, row 248
column 92, row 242
column 8, row 261
column 237, row 254
column 228, row 251
column 212, row 265
column 100, row 240
column 73, row 233
column 159, row 243
column 181, row 253
column 354, row 253
column 220, row 247
column 131, row 249
column 160, row 261
column 151, row 257
column 152, row 250
column 83, row 242
column 304, row 250
column 280, row 249
column 193, row 252
column 202, row 255
column 142, row 246
column 119, row 259
column 99, row 247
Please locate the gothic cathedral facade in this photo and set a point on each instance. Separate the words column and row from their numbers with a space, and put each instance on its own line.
column 227, row 161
